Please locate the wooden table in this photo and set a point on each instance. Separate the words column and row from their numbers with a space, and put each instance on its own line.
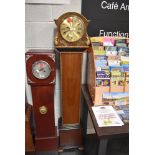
column 103, row 133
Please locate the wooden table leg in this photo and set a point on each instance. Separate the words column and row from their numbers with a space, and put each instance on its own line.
column 84, row 115
column 102, row 147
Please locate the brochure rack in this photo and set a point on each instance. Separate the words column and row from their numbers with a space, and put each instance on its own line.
column 94, row 52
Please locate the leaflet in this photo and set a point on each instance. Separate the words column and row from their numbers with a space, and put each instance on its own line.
column 106, row 116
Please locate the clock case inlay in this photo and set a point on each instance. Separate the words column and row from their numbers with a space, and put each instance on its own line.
column 46, row 138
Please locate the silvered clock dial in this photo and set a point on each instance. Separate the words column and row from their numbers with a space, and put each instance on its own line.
column 41, row 69
column 72, row 28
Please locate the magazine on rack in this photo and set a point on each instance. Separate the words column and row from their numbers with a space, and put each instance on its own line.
column 106, row 116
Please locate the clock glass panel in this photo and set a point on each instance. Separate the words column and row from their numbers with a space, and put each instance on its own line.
column 41, row 69
column 72, row 28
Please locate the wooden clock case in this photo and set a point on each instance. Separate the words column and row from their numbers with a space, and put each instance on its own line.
column 46, row 138
column 71, row 56
column 70, row 129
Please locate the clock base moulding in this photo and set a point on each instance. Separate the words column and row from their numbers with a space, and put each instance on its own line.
column 70, row 136
column 47, row 143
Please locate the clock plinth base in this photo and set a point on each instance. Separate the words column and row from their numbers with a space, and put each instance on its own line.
column 46, row 143
column 70, row 137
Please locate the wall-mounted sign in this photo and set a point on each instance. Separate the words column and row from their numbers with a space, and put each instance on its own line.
column 107, row 17
column 48, row 1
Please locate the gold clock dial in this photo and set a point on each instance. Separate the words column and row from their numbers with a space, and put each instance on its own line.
column 72, row 28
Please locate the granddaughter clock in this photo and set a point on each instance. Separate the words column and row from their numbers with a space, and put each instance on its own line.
column 40, row 68
column 71, row 41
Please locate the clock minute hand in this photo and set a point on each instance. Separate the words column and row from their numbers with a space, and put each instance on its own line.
column 41, row 69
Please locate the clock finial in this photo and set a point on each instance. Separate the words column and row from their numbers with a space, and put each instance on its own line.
column 56, row 21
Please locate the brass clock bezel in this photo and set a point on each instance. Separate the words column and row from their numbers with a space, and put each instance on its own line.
column 82, row 42
column 83, row 30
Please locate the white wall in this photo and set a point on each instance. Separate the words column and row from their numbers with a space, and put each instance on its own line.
column 39, row 33
column 48, row 1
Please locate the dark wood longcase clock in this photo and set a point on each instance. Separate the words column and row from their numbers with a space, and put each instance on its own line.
column 40, row 68
column 71, row 41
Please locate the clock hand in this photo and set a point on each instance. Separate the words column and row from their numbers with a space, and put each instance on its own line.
column 75, row 34
column 66, row 34
column 41, row 69
column 65, row 31
column 75, row 24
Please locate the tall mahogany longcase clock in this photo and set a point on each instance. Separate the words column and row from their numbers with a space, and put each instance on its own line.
column 71, row 41
column 40, row 68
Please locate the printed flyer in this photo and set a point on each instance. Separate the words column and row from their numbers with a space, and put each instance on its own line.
column 106, row 116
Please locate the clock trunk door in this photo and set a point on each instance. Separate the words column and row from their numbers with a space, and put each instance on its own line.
column 45, row 122
column 71, row 64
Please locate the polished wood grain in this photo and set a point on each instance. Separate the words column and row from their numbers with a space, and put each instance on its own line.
column 47, row 144
column 71, row 138
column 46, row 138
column 91, row 76
column 45, row 123
column 43, row 95
column 71, row 64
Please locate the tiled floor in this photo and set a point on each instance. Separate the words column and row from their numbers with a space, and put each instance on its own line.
column 117, row 146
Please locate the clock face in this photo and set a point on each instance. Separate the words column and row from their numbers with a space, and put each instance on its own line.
column 72, row 28
column 41, row 69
